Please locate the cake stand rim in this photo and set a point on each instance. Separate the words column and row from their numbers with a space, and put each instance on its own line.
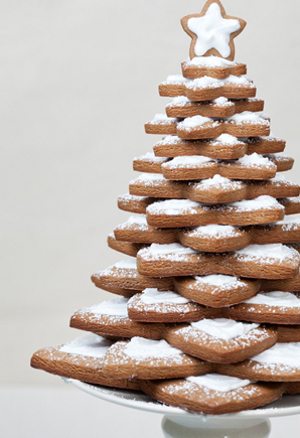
column 106, row 393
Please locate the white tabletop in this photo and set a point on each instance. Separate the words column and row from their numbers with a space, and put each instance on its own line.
column 64, row 411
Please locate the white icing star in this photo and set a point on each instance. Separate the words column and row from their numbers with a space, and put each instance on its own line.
column 213, row 31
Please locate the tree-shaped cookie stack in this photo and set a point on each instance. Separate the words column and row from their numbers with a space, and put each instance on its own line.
column 208, row 317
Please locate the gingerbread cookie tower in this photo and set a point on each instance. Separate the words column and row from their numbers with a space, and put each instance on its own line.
column 208, row 317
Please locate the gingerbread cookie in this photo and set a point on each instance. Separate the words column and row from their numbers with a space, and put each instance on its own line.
column 185, row 213
column 212, row 66
column 182, row 107
column 128, row 248
column 224, row 147
column 273, row 261
column 213, row 394
column 221, row 340
column 81, row 359
column 215, row 190
column 246, row 124
column 274, row 307
column 131, row 279
column 166, row 307
column 147, row 359
column 210, row 238
column 110, row 318
column 163, row 306
column 139, row 204
column 218, row 290
column 191, row 167
column 280, row 363
column 207, row 88
column 212, row 31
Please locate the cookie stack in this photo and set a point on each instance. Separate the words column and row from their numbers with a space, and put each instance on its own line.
column 208, row 312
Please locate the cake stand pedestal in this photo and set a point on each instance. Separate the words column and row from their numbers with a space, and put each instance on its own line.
column 178, row 423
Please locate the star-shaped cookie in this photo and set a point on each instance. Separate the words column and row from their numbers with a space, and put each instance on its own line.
column 212, row 31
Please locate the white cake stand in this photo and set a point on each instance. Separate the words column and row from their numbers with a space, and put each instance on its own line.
column 178, row 423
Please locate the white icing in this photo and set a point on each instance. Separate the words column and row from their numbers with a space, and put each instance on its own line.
column 149, row 177
column 149, row 156
column 91, row 347
column 193, row 122
column 154, row 296
column 189, row 160
column 126, row 264
column 222, row 101
column 280, row 177
column 169, row 139
column 290, row 222
column 170, row 248
column 205, row 82
column 162, row 118
column 139, row 348
column 264, row 201
column 223, row 328
column 213, row 31
column 271, row 251
column 215, row 181
column 136, row 220
column 116, row 307
column 176, row 79
column 238, row 80
column 226, row 139
column 173, row 206
column 217, row 279
column 248, row 117
column 180, row 100
column 218, row 382
column 215, row 230
column 254, row 160
column 276, row 299
column 211, row 61
column 282, row 353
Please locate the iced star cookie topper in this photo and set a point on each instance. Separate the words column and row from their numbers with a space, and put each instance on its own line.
column 212, row 31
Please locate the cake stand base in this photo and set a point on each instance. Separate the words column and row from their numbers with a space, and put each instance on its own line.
column 178, row 423
column 177, row 427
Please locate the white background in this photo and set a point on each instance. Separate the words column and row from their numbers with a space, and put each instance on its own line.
column 79, row 80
